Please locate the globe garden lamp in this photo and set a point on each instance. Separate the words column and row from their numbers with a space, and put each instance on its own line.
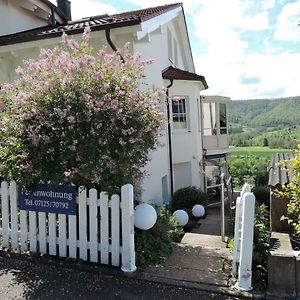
column 145, row 216
column 181, row 216
column 198, row 211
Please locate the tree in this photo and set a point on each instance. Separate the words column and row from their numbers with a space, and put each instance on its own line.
column 75, row 117
column 292, row 192
column 265, row 142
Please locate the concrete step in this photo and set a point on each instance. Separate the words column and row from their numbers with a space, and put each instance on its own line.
column 204, row 240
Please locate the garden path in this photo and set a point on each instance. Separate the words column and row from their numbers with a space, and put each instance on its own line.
column 200, row 259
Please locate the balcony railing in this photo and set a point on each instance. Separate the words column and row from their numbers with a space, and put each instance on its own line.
column 216, row 143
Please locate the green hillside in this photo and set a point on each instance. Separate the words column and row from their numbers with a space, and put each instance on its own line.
column 274, row 123
column 281, row 112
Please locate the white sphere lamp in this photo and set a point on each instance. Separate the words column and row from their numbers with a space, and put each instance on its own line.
column 145, row 216
column 198, row 211
column 181, row 216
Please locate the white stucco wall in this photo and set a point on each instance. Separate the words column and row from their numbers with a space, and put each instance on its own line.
column 14, row 18
column 183, row 176
column 158, row 164
column 187, row 143
column 155, row 46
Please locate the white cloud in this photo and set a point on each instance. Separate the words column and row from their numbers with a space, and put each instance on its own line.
column 87, row 8
column 188, row 5
column 268, row 4
column 278, row 73
column 287, row 28
column 228, row 58
column 225, row 59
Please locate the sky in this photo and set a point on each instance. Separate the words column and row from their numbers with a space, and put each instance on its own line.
column 246, row 49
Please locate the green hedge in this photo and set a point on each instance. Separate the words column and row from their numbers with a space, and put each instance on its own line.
column 154, row 246
column 187, row 197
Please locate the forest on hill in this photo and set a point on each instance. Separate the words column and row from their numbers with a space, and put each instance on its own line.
column 265, row 122
column 281, row 112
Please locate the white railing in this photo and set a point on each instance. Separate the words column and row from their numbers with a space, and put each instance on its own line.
column 243, row 239
column 225, row 185
column 101, row 232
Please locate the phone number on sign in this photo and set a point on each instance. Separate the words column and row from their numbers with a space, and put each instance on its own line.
column 46, row 203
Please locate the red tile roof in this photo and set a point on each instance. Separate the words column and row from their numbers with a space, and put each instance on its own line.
column 172, row 73
column 100, row 22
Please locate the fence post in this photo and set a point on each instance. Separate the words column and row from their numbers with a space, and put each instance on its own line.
column 237, row 235
column 128, row 252
column 222, row 210
column 5, row 213
column 237, row 227
column 245, row 265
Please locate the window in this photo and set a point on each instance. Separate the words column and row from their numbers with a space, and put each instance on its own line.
column 179, row 113
column 223, row 121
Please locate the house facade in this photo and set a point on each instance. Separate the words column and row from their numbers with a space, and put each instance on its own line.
column 195, row 130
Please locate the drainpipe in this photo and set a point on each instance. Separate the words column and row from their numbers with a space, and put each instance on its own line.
column 111, row 44
column 170, row 140
column 204, row 151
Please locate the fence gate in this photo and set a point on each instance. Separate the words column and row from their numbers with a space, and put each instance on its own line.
column 101, row 232
column 243, row 239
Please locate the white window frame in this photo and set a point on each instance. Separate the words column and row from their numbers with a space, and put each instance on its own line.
column 184, row 115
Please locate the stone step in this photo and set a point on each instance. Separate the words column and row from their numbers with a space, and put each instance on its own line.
column 204, row 240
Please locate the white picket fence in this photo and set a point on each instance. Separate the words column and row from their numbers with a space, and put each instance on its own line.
column 243, row 239
column 101, row 232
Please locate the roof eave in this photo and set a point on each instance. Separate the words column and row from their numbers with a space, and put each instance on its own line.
column 70, row 32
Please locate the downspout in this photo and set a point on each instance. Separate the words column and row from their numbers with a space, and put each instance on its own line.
column 111, row 44
column 202, row 142
column 170, row 140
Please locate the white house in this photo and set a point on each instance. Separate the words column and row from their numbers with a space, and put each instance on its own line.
column 197, row 131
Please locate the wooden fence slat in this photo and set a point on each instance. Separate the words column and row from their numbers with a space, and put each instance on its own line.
column 14, row 215
column 93, row 225
column 72, row 236
column 245, row 261
column 115, row 230
column 5, row 214
column 62, row 235
column 52, row 233
column 82, row 224
column 24, row 230
column 32, row 231
column 42, row 232
column 104, row 228
column 128, row 253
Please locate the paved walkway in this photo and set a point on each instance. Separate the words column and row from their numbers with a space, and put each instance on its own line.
column 200, row 259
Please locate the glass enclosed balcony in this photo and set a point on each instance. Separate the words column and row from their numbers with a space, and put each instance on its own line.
column 215, row 124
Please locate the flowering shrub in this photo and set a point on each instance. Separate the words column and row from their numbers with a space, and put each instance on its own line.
column 292, row 192
column 74, row 117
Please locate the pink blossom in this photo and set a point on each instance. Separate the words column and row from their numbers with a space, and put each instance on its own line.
column 67, row 174
column 104, row 87
column 71, row 119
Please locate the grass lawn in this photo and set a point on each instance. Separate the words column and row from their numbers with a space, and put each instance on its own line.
column 256, row 151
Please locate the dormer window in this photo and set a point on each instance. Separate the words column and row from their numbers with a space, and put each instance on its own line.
column 179, row 113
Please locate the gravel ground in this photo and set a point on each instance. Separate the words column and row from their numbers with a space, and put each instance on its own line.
column 23, row 279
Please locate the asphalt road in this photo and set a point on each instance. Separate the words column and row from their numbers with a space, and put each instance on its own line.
column 23, row 279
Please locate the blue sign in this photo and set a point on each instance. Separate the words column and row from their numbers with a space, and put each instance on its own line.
column 59, row 199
